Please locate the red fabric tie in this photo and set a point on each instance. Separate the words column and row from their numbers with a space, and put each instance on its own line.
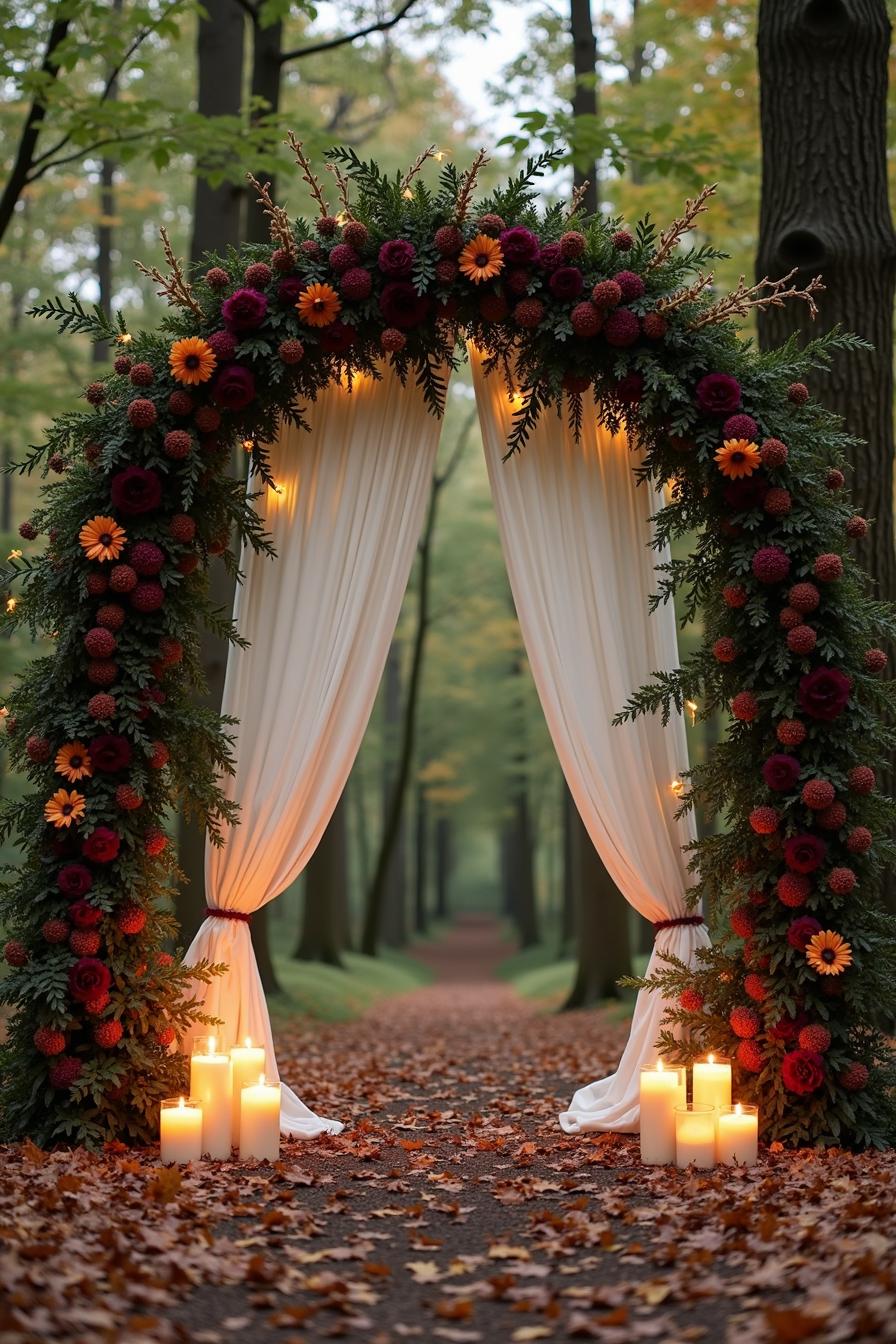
column 241, row 915
column 674, row 923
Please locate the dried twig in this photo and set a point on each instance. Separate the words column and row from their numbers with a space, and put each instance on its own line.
column 468, row 183
column 578, row 197
column 342, row 186
column 744, row 297
column 174, row 286
column 313, row 185
column 685, row 295
column 278, row 219
column 416, row 166
column 679, row 227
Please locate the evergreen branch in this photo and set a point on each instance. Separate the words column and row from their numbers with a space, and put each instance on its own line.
column 75, row 319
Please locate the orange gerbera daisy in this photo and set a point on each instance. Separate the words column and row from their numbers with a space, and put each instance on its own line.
column 738, row 457
column 191, row 360
column 828, row 953
column 482, row 259
column 319, row 305
column 102, row 538
column 73, row 762
column 64, row 808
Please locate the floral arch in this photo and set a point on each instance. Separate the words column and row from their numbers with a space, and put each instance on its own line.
column 580, row 318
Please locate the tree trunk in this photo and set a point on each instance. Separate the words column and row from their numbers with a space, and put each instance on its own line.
column 325, row 881
column 220, row 50
column 603, row 928
column 584, row 98
column 105, row 224
column 267, row 70
column 568, row 908
column 521, row 866
column 443, row 865
column 393, row 923
column 421, row 861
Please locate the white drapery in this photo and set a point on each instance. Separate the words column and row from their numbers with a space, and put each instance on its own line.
column 576, row 535
column 345, row 520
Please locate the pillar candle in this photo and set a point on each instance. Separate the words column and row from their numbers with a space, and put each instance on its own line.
column 210, row 1084
column 712, row 1082
column 180, row 1130
column 659, row 1097
column 260, row 1121
column 695, row 1135
column 246, row 1064
column 737, row 1139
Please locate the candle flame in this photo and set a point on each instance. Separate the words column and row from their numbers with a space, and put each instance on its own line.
column 10, row 604
column 261, row 1080
column 677, row 787
column 710, row 1059
column 659, row 1066
column 248, row 1042
column 182, row 1103
column 738, row 1110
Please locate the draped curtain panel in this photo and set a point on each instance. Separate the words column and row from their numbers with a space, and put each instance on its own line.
column 345, row 520
column 576, row 534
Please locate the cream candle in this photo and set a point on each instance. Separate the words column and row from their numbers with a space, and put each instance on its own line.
column 210, row 1084
column 695, row 1135
column 737, row 1139
column 659, row 1096
column 260, row 1121
column 180, row 1130
column 712, row 1081
column 246, row 1064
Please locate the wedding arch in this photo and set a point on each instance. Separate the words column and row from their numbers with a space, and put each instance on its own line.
column 612, row 385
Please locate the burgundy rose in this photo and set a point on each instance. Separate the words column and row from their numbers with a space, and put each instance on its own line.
column 801, row 930
column 802, row 1071
column 102, row 845
column 747, row 493
column 288, row 290
column 824, row 693
column 630, row 388
column 135, row 490
column 718, row 394
column 788, row 1028
column 234, row 387
column 110, row 752
column 244, row 311
column 84, row 915
column 519, row 245
column 781, row 772
column 550, row 257
column 402, row 306
column 566, row 282
column 804, row 853
column 88, row 978
column 396, row 258
column 338, row 336
column 74, row 881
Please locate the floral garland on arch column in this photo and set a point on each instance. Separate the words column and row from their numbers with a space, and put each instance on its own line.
column 589, row 318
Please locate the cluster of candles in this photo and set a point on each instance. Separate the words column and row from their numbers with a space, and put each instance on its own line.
column 700, row 1132
column 231, row 1105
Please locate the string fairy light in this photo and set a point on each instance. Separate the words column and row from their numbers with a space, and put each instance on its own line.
column 692, row 707
column 15, row 554
column 677, row 787
column 11, row 604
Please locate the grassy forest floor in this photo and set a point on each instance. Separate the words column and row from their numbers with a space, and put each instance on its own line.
column 452, row 1208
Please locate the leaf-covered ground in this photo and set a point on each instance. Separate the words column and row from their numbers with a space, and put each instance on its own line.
column 452, row 1208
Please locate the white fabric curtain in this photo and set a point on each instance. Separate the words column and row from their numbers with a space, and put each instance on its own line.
column 345, row 520
column 576, row 537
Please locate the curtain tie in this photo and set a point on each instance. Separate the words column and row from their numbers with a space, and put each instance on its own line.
column 211, row 912
column 674, row 923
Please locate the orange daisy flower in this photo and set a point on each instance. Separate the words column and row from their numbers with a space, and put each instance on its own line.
column 738, row 457
column 828, row 953
column 481, row 259
column 191, row 360
column 65, row 808
column 319, row 305
column 102, row 538
column 73, row 762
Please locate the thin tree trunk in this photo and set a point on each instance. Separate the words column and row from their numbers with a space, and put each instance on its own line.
column 522, row 867
column 443, row 865
column 603, row 926
column 421, row 863
column 23, row 161
column 568, row 909
column 325, row 881
column 104, row 238
column 394, row 920
column 356, row 791
column 220, row 49
column 584, row 99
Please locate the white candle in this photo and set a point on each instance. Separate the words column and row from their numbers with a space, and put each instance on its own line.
column 738, row 1135
column 180, row 1130
column 210, row 1084
column 260, row 1121
column 712, row 1082
column 695, row 1135
column 659, row 1097
column 246, row 1063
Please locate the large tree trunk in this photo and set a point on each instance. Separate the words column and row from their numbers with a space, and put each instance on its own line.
column 325, row 881
column 584, row 98
column 220, row 49
column 602, row 921
column 267, row 71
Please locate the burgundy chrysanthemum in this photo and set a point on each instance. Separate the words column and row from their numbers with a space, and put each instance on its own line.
column 566, row 283
column 110, row 752
column 244, row 311
column 520, row 246
column 234, row 387
column 824, row 693
column 804, row 853
column 841, row 881
column 828, row 568
column 87, row 978
column 755, row 987
column 135, row 491
column 402, row 307
column 771, row 564
column 793, row 889
column 798, row 393
column 74, row 880
column 356, row 284
column 585, row 319
column 735, row 595
column 528, row 313
column 801, row 930
column 802, row 1071
column 343, row 257
column 718, row 394
column 396, row 258
column 749, row 1056
column 102, row 845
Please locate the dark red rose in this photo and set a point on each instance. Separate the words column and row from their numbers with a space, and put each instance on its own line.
column 801, row 930
column 234, row 387
column 747, row 493
column 88, row 978
column 110, row 752
column 781, row 772
column 402, row 306
column 74, row 881
column 338, row 336
column 519, row 245
column 566, row 282
column 824, row 693
column 802, row 1071
column 244, row 311
column 84, row 915
column 135, row 490
column 718, row 394
column 289, row 289
column 550, row 257
column 630, row 388
column 396, row 258
column 804, row 853
column 102, row 845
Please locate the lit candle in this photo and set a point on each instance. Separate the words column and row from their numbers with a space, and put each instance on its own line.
column 695, row 1135
column 738, row 1135
column 260, row 1121
column 246, row 1063
column 659, row 1097
column 180, row 1130
column 712, row 1082
column 210, row 1084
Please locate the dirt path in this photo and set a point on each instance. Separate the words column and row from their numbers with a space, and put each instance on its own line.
column 452, row 1208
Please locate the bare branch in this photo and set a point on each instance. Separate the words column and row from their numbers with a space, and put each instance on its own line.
column 746, row 297
column 174, row 287
column 685, row 295
column 416, row 166
column 308, row 176
column 679, row 227
column 331, row 43
column 578, row 197
column 467, row 185
column 278, row 220
column 342, row 185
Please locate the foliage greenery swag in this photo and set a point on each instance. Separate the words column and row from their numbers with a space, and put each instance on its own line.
column 585, row 318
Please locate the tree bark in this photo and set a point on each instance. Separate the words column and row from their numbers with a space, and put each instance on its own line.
column 584, row 99
column 519, row 861
column 602, row 922
column 220, row 52
column 104, row 237
column 443, row 865
column 267, row 70
column 27, row 146
column 421, row 859
column 325, row 882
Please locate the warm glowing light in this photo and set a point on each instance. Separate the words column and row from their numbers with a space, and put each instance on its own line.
column 659, row 1066
column 710, row 1059
column 677, row 787
column 212, row 1042
column 248, row 1042
column 692, row 709
column 261, row 1080
column 10, row 605
column 738, row 1108
column 14, row 555
column 441, row 154
column 342, row 217
column 4, row 712
column 408, row 194
column 125, row 338
column 248, row 444
column 182, row 1103
column 516, row 401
